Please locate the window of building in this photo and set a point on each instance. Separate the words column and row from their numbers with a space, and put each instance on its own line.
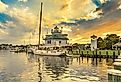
column 66, row 42
column 49, row 42
column 59, row 42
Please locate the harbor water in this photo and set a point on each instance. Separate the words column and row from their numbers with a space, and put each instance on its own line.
column 22, row 67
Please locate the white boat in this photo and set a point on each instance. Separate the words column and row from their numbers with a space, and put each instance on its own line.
column 49, row 52
column 13, row 49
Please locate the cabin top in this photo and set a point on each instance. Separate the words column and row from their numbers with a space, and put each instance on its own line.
column 56, row 33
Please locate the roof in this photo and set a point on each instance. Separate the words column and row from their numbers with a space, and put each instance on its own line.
column 56, row 34
column 56, row 27
column 117, row 44
column 93, row 36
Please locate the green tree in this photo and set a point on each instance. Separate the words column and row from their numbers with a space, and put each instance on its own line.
column 111, row 39
column 101, row 44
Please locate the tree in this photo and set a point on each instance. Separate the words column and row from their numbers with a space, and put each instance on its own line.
column 111, row 39
column 101, row 43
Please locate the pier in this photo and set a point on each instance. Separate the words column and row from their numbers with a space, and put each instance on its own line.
column 114, row 75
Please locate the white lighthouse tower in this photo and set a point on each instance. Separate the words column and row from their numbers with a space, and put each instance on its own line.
column 93, row 42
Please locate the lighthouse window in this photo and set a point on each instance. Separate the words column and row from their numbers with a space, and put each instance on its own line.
column 49, row 42
column 66, row 42
column 59, row 42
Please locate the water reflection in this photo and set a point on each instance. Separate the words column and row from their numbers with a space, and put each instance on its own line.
column 32, row 68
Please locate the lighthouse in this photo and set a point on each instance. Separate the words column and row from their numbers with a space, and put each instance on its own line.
column 93, row 42
column 57, row 38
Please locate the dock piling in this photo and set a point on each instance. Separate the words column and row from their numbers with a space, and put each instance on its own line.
column 107, row 56
column 100, row 55
column 113, row 55
column 118, row 52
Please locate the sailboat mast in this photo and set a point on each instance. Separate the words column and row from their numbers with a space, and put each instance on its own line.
column 40, row 24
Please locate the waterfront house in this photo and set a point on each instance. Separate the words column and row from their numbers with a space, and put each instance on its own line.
column 57, row 38
column 117, row 46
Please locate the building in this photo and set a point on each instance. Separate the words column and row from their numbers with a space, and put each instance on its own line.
column 81, row 46
column 117, row 46
column 56, row 38
column 93, row 42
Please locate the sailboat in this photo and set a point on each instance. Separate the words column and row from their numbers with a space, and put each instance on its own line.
column 45, row 50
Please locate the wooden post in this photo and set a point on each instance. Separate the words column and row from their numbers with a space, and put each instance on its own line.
column 87, row 56
column 118, row 52
column 96, row 61
column 107, row 56
column 100, row 55
column 113, row 55
column 79, row 61
column 72, row 51
column 96, row 53
column 93, row 54
column 82, row 56
column 82, row 53
column 79, row 51
column 82, row 59
column 68, row 52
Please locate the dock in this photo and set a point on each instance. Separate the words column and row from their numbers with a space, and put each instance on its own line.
column 114, row 75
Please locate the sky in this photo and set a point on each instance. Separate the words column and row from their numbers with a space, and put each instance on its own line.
column 19, row 19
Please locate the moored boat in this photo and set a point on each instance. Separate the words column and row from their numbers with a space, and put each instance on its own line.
column 51, row 52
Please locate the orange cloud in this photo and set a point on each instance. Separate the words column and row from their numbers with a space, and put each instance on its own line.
column 112, row 26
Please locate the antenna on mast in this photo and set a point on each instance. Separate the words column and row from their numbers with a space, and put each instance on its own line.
column 40, row 24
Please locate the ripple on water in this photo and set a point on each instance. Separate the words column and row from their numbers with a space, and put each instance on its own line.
column 27, row 68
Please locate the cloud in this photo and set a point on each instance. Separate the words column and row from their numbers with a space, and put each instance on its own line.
column 97, row 3
column 15, row 24
column 3, row 6
column 23, row 0
column 82, row 35
column 119, row 6
column 8, row 2
column 13, row 32
column 79, row 18
column 100, row 3
column 24, row 16
column 93, row 14
column 64, row 6
column 5, row 17
column 98, row 21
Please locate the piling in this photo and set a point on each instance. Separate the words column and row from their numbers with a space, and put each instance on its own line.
column 107, row 56
column 100, row 55
column 82, row 54
column 87, row 56
column 72, row 51
column 93, row 54
column 118, row 52
column 96, row 53
column 79, row 60
column 77, row 52
column 113, row 55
